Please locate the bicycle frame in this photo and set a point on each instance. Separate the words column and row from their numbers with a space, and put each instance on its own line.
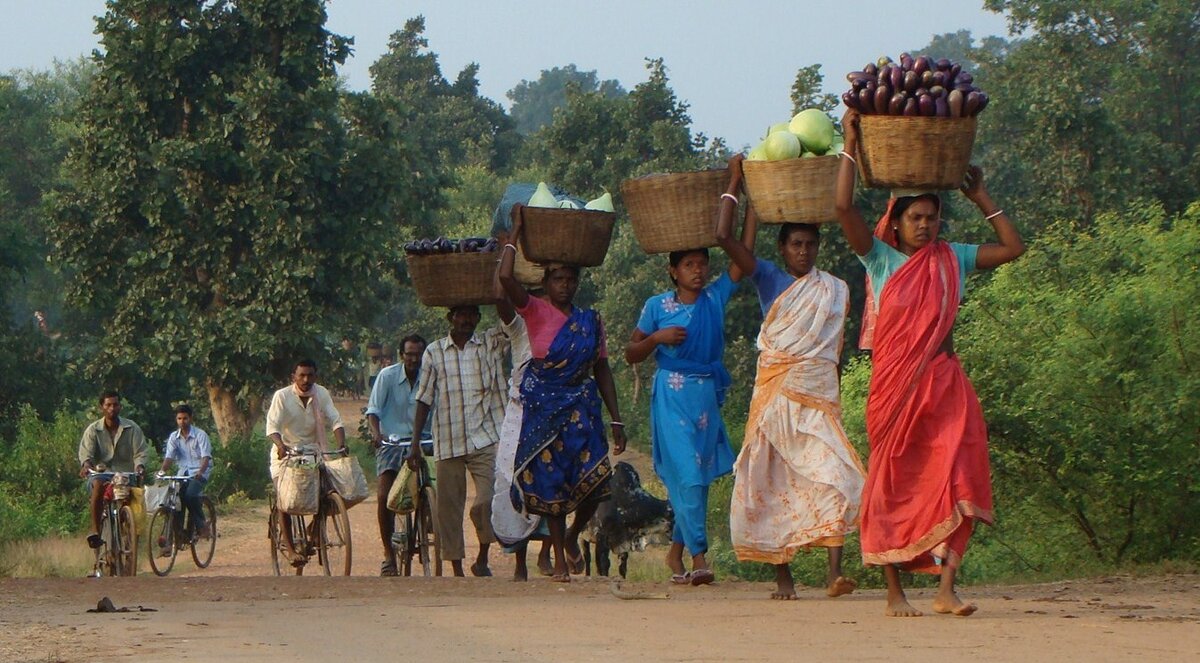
column 111, row 557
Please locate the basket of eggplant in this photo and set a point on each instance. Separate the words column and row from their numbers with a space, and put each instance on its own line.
column 452, row 272
column 917, row 121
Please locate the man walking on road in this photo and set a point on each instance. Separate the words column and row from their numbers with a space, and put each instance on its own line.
column 390, row 412
column 462, row 380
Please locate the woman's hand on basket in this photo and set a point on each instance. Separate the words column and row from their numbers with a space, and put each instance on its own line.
column 973, row 186
column 735, row 168
column 619, row 441
column 850, row 130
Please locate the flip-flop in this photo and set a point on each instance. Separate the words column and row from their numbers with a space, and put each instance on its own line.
column 387, row 569
column 681, row 579
column 564, row 578
column 701, row 577
column 480, row 571
column 574, row 563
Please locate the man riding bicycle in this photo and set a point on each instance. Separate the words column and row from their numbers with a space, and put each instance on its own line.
column 297, row 419
column 389, row 412
column 112, row 443
column 190, row 447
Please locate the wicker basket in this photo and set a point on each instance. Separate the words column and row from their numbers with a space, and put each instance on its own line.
column 792, row 190
column 898, row 152
column 570, row 236
column 677, row 211
column 453, row 279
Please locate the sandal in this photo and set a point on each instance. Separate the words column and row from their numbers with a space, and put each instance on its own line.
column 681, row 579
column 480, row 571
column 564, row 578
column 574, row 562
column 94, row 540
column 702, row 577
column 388, row 568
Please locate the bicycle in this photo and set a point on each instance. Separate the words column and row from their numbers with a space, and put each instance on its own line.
column 419, row 537
column 329, row 539
column 168, row 532
column 117, row 554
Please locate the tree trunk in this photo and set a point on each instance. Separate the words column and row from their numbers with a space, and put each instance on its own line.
column 231, row 418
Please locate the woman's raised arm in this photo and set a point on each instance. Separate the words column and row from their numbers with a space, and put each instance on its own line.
column 1009, row 247
column 854, row 226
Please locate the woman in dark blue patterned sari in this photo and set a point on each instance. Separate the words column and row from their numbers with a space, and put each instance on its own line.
column 562, row 461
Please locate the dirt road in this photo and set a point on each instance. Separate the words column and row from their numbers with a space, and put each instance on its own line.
column 234, row 611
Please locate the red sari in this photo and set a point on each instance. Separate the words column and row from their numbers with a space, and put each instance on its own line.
column 928, row 475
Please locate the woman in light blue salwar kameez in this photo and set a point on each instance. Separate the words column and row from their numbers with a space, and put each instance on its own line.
column 684, row 329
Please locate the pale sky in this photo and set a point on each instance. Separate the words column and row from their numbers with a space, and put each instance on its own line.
column 733, row 61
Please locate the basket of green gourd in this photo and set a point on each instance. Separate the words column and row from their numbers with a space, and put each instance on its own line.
column 561, row 230
column 790, row 176
column 675, row 211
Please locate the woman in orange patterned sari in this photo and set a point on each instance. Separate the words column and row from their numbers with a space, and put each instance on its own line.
column 928, row 478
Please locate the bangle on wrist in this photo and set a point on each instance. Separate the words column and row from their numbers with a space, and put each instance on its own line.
column 616, row 423
column 846, row 154
column 730, row 196
column 509, row 246
column 989, row 217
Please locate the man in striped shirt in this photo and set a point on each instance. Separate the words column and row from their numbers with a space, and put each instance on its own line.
column 462, row 382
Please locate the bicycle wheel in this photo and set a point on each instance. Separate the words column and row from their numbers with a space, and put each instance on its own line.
column 126, row 542
column 162, row 534
column 202, row 549
column 106, row 559
column 428, row 548
column 275, row 536
column 335, row 551
column 410, row 539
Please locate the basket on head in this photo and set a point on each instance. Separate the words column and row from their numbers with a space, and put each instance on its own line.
column 792, row 190
column 570, row 236
column 453, row 279
column 901, row 152
column 677, row 211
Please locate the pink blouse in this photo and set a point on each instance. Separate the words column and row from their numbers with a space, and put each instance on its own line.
column 543, row 322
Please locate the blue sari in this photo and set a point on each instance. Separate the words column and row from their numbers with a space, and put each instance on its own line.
column 562, row 456
column 691, row 448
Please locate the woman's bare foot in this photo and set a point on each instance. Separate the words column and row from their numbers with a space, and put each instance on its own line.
column 839, row 586
column 948, row 603
column 785, row 586
column 898, row 606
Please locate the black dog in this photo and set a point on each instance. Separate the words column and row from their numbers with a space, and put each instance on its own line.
column 629, row 521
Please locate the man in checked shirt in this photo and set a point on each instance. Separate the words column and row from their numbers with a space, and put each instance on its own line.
column 463, row 383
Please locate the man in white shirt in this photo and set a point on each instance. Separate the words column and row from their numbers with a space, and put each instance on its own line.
column 298, row 419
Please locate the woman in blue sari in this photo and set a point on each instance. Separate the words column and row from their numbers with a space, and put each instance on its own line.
column 561, row 463
column 684, row 328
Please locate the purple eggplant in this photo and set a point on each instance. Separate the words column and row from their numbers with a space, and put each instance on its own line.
column 940, row 107
column 939, row 78
column 921, row 65
column 489, row 246
column 871, row 69
column 965, row 77
column 911, row 107
column 937, row 91
column 910, row 81
column 926, row 104
column 866, row 101
column 964, row 87
column 955, row 70
column 884, row 75
column 896, row 105
column 851, row 100
column 927, row 79
column 943, row 64
column 856, row 74
column 983, row 102
column 955, row 100
column 921, row 91
column 906, row 62
column 971, row 104
column 897, row 78
column 882, row 97
column 860, row 83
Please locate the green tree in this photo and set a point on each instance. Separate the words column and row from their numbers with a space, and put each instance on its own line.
column 806, row 91
column 1086, row 362
column 1091, row 108
column 224, row 210
column 534, row 102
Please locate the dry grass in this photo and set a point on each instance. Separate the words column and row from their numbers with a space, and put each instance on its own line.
column 53, row 557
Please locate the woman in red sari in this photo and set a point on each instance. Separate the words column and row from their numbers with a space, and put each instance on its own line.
column 928, row 478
